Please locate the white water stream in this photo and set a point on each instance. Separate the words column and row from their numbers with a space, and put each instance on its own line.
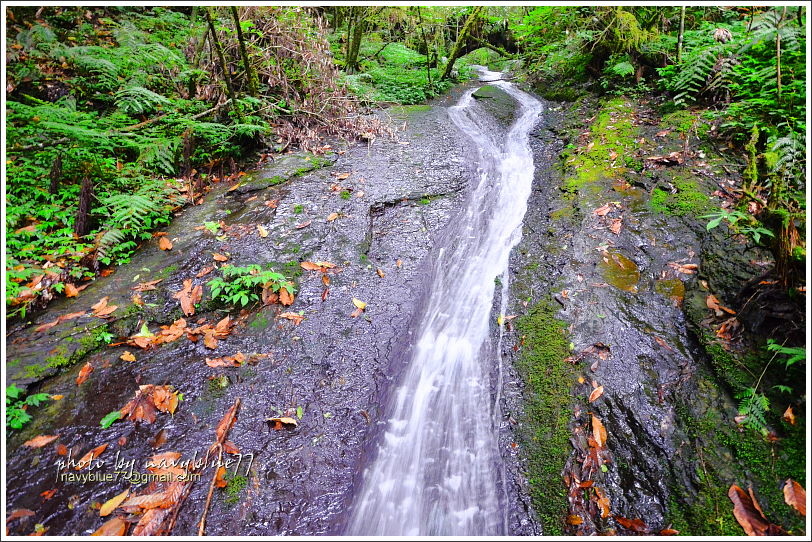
column 438, row 470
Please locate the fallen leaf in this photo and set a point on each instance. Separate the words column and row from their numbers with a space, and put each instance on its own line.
column 100, row 303
column 84, row 373
column 57, row 397
column 285, row 297
column 636, row 525
column 748, row 513
column 164, row 243
column 112, row 527
column 342, row 176
column 165, row 398
column 596, row 393
column 262, row 231
column 209, row 341
column 603, row 210
column 230, row 448
column 40, row 441
column 668, row 532
column 219, row 257
column 303, row 224
column 325, row 280
column 615, row 225
column 359, row 304
column 219, row 477
column 662, row 343
column 90, row 456
column 284, row 420
column 19, row 513
column 127, row 356
column 686, row 269
column 356, row 313
column 227, row 361
column 574, row 520
column 789, row 416
column 380, row 272
column 188, row 296
column 136, row 299
column 292, row 316
column 61, row 449
column 598, row 431
column 795, row 496
column 71, row 290
column 48, row 495
column 146, row 286
column 108, row 507
column 331, row 217
column 398, row 263
column 205, row 271
column 603, row 502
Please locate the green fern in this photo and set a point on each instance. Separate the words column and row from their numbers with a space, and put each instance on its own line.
column 754, row 407
column 139, row 100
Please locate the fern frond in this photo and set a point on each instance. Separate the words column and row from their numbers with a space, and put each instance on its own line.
column 139, row 100
column 108, row 240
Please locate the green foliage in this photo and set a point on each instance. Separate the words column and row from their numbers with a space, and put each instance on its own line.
column 794, row 354
column 110, row 419
column 242, row 285
column 17, row 405
column 750, row 227
column 754, row 406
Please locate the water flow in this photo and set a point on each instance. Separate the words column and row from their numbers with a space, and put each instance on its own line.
column 438, row 469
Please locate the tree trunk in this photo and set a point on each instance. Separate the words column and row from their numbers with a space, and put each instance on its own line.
column 56, row 174
column 82, row 225
column 681, row 33
column 462, row 37
column 223, row 66
column 426, row 44
column 249, row 71
column 354, row 36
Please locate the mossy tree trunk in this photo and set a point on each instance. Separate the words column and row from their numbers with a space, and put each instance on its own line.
column 456, row 51
column 250, row 74
column 218, row 48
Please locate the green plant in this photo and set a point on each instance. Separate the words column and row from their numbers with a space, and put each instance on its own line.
column 17, row 406
column 242, row 285
column 345, row 194
column 753, row 406
column 794, row 354
column 298, row 209
column 732, row 217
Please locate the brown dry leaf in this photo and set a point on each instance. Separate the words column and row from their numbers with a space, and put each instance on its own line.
column 662, row 133
column 598, row 431
column 686, row 269
column 127, row 356
column 141, row 408
column 57, row 397
column 331, row 217
column 285, row 297
column 380, row 272
column 165, row 399
column 612, row 155
column 342, row 176
column 105, row 312
column 45, row 327
column 262, row 231
column 712, row 303
column 136, row 299
column 227, row 361
column 108, row 507
column 205, row 271
column 636, row 525
column 728, row 328
column 146, row 286
column 71, row 290
column 303, row 224
column 151, row 523
column 40, row 441
column 284, row 420
column 399, row 263
column 596, row 393
column 668, row 532
column 795, row 496
column 356, row 313
column 48, row 495
column 325, row 280
column 84, row 373
column 209, row 341
column 112, row 527
column 230, row 448
column 603, row 210
column 603, row 502
column 189, row 296
column 293, row 317
column 574, row 520
column 227, row 422
column 90, row 456
column 164, row 243
column 100, row 304
column 615, row 225
column 272, row 203
column 219, row 257
column 219, row 478
column 19, row 513
column 223, row 327
column 747, row 513
column 61, row 449
column 662, row 343
column 789, row 415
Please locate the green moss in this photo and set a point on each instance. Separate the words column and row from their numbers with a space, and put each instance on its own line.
column 236, row 483
column 217, row 386
column 166, row 271
column 345, row 194
column 563, row 213
column 544, row 435
column 612, row 134
column 689, row 198
column 277, row 179
column 297, row 209
column 406, row 109
column 260, row 322
column 34, row 371
column 685, row 122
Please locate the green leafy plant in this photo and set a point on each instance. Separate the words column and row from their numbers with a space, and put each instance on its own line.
column 794, row 354
column 17, row 406
column 753, row 406
column 751, row 228
column 243, row 285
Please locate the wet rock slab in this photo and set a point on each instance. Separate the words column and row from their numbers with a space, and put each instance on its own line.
column 331, row 368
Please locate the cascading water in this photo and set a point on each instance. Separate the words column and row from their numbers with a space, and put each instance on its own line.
column 438, row 469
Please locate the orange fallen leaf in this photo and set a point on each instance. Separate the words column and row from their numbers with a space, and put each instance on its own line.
column 146, row 286
column 164, row 243
column 57, row 397
column 219, row 257
column 108, row 507
column 112, row 527
column 668, row 532
column 603, row 210
column 205, row 271
column 90, row 456
column 84, row 373
column 71, row 290
column 136, row 299
column 48, row 494
column 262, row 231
column 380, row 272
column 127, row 356
column 209, row 341
column 219, row 478
column 795, row 496
column 342, row 176
column 636, row 525
column 303, row 224
column 574, row 520
column 748, row 513
column 596, row 393
column 789, row 416
column 325, row 280
column 603, row 502
column 61, row 449
column 292, row 316
column 598, row 431
column 615, row 225
column 40, row 441
column 285, row 297
column 332, row 216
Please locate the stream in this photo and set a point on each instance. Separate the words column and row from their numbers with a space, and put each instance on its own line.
column 438, row 470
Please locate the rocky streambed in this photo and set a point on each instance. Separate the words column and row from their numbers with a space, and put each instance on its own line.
column 606, row 291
